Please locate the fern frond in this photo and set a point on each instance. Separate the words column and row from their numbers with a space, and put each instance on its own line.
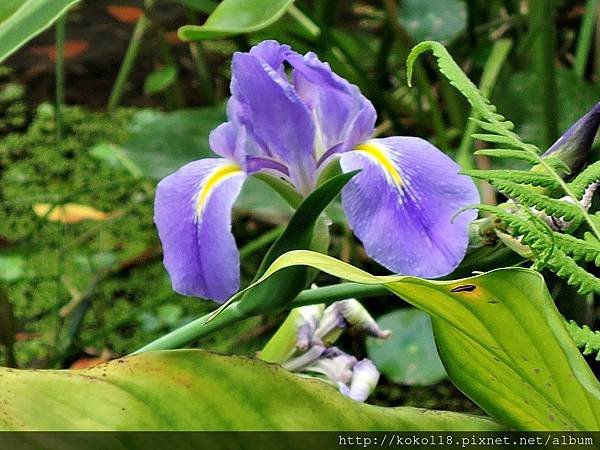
column 585, row 338
column 579, row 250
column 516, row 176
column 575, row 275
column 499, row 130
column 510, row 153
column 557, row 164
column 494, row 138
column 585, row 179
column 494, row 122
column 550, row 248
column 533, row 199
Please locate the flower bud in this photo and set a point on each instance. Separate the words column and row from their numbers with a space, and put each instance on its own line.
column 364, row 380
column 574, row 146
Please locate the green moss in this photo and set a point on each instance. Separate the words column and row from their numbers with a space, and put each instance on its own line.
column 36, row 169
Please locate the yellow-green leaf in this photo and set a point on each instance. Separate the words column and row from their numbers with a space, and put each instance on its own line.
column 197, row 390
column 502, row 341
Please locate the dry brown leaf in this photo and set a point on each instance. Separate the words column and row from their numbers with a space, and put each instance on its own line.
column 69, row 212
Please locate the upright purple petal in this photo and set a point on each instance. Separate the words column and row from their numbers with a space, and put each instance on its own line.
column 575, row 145
column 223, row 139
column 192, row 211
column 275, row 117
column 272, row 52
column 344, row 117
column 402, row 203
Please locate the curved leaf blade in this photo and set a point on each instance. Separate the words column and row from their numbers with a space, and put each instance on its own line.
column 501, row 338
column 30, row 19
column 198, row 390
column 233, row 17
column 301, row 233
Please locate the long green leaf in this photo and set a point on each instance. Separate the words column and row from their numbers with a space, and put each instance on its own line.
column 233, row 17
column 197, row 390
column 501, row 339
column 300, row 233
column 32, row 17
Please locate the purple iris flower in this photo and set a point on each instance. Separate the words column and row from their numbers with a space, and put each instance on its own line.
column 400, row 205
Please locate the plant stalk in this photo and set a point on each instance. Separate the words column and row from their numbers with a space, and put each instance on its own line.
column 541, row 17
column 584, row 40
column 59, row 70
column 490, row 74
column 261, row 242
column 194, row 330
column 141, row 26
column 202, row 326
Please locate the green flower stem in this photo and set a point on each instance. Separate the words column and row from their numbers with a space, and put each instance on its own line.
column 202, row 326
column 59, row 69
column 174, row 93
column 486, row 85
column 195, row 330
column 541, row 18
column 586, row 34
column 284, row 189
column 142, row 25
column 261, row 242
column 336, row 292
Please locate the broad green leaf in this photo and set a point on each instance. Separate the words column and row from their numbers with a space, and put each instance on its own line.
column 409, row 356
column 204, row 6
column 30, row 19
column 233, row 17
column 433, row 20
column 501, row 339
column 197, row 390
column 160, row 79
column 9, row 7
column 161, row 143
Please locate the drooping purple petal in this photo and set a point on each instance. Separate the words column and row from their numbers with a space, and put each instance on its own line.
column 344, row 117
column 275, row 117
column 192, row 211
column 402, row 203
column 574, row 146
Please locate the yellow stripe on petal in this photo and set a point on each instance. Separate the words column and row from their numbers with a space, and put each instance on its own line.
column 218, row 176
column 378, row 153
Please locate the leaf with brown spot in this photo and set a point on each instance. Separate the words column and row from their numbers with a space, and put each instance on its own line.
column 521, row 340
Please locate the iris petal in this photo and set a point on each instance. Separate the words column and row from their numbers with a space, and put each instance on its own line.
column 193, row 217
column 402, row 203
column 344, row 117
column 275, row 117
column 223, row 140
